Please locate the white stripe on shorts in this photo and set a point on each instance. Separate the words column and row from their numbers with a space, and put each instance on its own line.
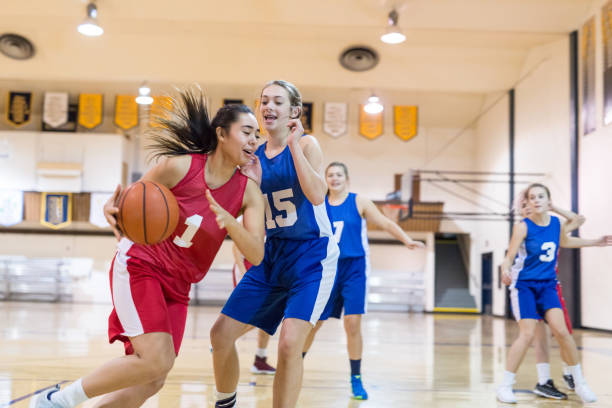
column 122, row 293
column 328, row 276
column 515, row 303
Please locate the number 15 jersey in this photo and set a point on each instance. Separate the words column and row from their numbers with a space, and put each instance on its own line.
column 289, row 214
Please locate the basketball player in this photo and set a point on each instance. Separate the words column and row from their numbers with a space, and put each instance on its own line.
column 533, row 289
column 545, row 386
column 150, row 284
column 260, row 365
column 348, row 213
column 294, row 281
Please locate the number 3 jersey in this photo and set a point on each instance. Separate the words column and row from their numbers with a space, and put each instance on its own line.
column 537, row 256
column 289, row 214
column 188, row 253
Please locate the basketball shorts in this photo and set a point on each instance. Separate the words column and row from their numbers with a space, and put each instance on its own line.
column 294, row 280
column 532, row 298
column 143, row 304
column 349, row 290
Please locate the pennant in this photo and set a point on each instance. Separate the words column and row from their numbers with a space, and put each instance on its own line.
column 405, row 121
column 19, row 108
column 370, row 125
column 335, row 118
column 126, row 111
column 159, row 109
column 262, row 130
column 56, row 210
column 96, row 209
column 587, row 56
column 307, row 117
column 233, row 102
column 11, row 207
column 55, row 109
column 90, row 110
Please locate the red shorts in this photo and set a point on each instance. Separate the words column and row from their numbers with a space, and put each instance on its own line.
column 568, row 322
column 142, row 303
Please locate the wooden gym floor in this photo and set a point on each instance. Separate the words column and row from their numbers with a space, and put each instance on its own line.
column 418, row 360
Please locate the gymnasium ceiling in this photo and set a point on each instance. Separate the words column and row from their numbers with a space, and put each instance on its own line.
column 452, row 45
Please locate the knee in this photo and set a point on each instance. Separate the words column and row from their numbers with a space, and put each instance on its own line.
column 159, row 365
column 352, row 327
column 154, row 387
column 219, row 335
column 288, row 347
column 527, row 335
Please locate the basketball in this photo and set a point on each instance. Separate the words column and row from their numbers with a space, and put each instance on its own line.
column 148, row 212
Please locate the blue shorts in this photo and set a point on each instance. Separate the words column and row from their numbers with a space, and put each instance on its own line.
column 294, row 280
column 349, row 289
column 531, row 299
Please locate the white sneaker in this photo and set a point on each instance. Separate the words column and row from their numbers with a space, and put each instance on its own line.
column 585, row 393
column 41, row 399
column 505, row 394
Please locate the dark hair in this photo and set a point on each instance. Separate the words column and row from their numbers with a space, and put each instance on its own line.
column 338, row 164
column 534, row 185
column 295, row 98
column 187, row 128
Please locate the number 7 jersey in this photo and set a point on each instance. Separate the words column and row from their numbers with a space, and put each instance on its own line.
column 289, row 214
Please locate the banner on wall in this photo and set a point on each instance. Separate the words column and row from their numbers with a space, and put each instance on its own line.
column 307, row 117
column 19, row 108
column 126, row 111
column 11, row 207
column 405, row 121
column 232, row 102
column 90, row 110
column 55, row 109
column 370, row 125
column 335, row 118
column 56, row 210
column 587, row 58
column 160, row 108
column 606, row 29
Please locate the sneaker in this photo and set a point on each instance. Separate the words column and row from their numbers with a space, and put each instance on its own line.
column 569, row 381
column 42, row 399
column 261, row 366
column 505, row 394
column 226, row 403
column 358, row 392
column 585, row 393
column 549, row 390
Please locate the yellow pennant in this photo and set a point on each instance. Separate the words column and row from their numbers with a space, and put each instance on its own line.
column 159, row 109
column 262, row 130
column 126, row 111
column 370, row 125
column 19, row 108
column 405, row 121
column 90, row 110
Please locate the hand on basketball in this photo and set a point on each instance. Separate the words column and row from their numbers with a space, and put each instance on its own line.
column 296, row 130
column 606, row 240
column 111, row 210
column 252, row 170
column 415, row 245
column 506, row 279
column 222, row 216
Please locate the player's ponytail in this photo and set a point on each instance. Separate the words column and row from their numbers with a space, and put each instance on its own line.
column 187, row 128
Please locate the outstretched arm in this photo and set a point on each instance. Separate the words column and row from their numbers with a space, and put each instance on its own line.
column 373, row 215
column 575, row 242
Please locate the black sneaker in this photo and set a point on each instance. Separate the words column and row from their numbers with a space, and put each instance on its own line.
column 549, row 390
column 569, row 381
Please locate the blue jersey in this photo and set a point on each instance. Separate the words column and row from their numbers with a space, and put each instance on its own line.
column 289, row 214
column 349, row 227
column 537, row 257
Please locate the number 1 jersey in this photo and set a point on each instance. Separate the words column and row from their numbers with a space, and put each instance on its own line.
column 188, row 253
column 289, row 214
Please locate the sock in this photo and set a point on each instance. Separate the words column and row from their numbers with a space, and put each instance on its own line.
column 508, row 379
column 576, row 372
column 543, row 373
column 304, row 354
column 225, row 399
column 261, row 352
column 566, row 370
column 355, row 367
column 70, row 396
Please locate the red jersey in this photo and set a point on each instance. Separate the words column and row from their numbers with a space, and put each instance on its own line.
column 186, row 256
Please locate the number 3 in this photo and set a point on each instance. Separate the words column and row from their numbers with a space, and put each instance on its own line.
column 550, row 248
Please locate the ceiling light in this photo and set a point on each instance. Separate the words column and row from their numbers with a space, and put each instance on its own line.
column 90, row 26
column 144, row 95
column 393, row 34
column 373, row 106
